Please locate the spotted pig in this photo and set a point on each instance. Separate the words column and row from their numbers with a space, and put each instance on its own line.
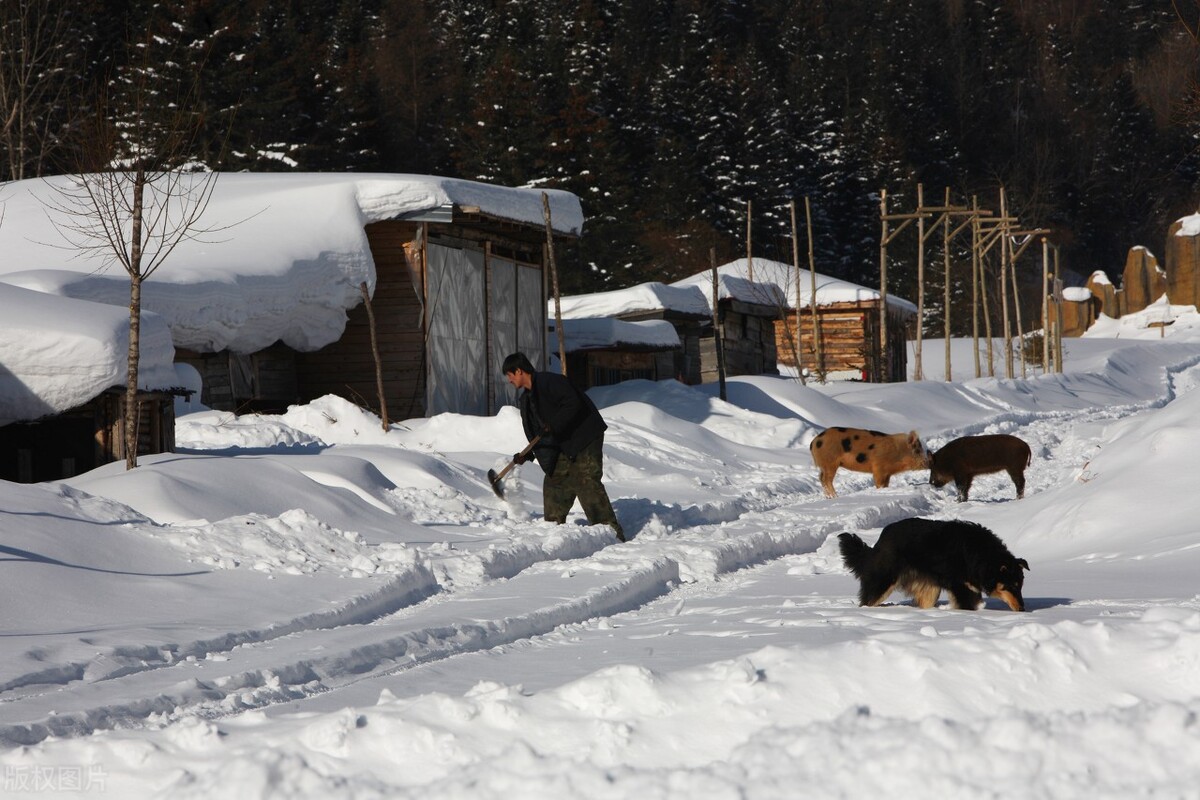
column 881, row 454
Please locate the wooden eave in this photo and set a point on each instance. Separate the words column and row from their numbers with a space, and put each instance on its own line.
column 751, row 309
column 469, row 223
column 669, row 314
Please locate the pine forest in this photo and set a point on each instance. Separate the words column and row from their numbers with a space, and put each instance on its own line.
column 668, row 118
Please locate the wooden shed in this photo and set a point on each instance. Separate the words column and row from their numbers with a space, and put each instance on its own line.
column 272, row 311
column 451, row 300
column 849, row 317
column 747, row 340
column 62, row 405
column 85, row 437
column 746, row 314
column 746, row 311
column 603, row 352
column 684, row 307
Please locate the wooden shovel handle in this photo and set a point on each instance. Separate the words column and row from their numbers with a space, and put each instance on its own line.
column 528, row 449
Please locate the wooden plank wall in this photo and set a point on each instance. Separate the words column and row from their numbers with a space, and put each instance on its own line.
column 347, row 367
column 843, row 338
column 748, row 342
column 217, row 391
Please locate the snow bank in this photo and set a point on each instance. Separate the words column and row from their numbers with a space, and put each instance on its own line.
column 1159, row 320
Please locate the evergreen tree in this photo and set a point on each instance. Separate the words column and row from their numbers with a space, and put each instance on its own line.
column 667, row 116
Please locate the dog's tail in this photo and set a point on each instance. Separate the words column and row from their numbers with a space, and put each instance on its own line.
column 856, row 554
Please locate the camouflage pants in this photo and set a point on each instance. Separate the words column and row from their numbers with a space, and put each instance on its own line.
column 580, row 477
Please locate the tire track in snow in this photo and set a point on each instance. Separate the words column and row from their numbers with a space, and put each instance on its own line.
column 616, row 579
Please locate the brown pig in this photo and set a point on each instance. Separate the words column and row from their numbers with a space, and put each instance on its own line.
column 881, row 454
column 964, row 458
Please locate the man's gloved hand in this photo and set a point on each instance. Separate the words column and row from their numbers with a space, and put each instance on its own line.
column 518, row 458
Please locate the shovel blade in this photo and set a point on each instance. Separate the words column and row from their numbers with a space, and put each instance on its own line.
column 497, row 486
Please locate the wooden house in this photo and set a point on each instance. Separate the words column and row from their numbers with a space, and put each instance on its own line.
column 685, row 308
column 745, row 315
column 747, row 332
column 603, row 352
column 452, row 298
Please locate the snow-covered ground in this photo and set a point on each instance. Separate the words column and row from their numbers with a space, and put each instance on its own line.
column 306, row 605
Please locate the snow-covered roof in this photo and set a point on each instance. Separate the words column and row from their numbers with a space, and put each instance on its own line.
column 601, row 333
column 652, row 296
column 731, row 286
column 284, row 259
column 57, row 353
column 774, row 284
column 767, row 272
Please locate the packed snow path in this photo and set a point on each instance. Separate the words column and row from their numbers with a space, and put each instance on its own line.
column 772, row 518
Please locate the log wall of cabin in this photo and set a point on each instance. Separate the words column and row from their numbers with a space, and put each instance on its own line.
column 843, row 339
column 849, row 340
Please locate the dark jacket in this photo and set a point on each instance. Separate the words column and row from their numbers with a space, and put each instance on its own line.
column 566, row 418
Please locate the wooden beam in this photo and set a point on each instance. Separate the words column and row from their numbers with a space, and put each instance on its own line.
column 912, row 216
column 892, row 235
column 1031, row 234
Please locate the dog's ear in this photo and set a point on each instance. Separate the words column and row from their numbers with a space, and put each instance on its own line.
column 1024, row 564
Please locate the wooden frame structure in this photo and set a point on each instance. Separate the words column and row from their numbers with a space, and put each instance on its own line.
column 986, row 231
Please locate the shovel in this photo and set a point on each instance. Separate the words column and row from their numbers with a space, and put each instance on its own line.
column 495, row 479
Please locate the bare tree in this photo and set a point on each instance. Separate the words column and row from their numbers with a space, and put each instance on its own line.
column 33, row 84
column 138, row 195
